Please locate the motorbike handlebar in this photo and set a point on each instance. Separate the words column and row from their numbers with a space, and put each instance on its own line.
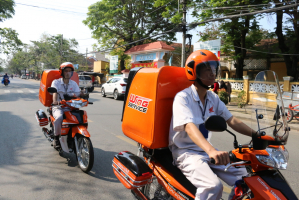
column 232, row 158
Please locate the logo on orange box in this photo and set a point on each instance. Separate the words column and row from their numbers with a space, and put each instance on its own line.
column 138, row 103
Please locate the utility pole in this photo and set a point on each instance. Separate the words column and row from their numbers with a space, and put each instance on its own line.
column 86, row 56
column 61, row 45
column 184, row 22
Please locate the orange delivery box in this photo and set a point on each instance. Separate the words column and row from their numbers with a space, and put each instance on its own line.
column 148, row 105
column 47, row 78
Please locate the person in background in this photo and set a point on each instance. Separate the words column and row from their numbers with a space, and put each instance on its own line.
column 228, row 90
column 222, row 85
column 216, row 87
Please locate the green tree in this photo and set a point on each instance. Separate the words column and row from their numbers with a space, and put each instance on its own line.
column 288, row 36
column 9, row 40
column 235, row 30
column 118, row 22
column 50, row 50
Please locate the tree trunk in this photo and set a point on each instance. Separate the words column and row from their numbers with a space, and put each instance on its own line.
column 122, row 64
column 281, row 42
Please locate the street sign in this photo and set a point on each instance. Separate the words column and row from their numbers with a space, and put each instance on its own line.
column 113, row 64
column 211, row 45
column 76, row 66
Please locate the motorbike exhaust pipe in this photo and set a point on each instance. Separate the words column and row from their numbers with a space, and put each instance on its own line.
column 46, row 133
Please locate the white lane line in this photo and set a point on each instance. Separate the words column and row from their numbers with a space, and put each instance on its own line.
column 20, row 91
column 6, row 91
column 31, row 91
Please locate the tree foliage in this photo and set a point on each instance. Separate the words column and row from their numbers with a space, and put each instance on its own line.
column 116, row 23
column 9, row 40
column 288, row 36
column 47, row 53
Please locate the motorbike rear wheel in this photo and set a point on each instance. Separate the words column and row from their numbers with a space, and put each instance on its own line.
column 154, row 190
column 85, row 156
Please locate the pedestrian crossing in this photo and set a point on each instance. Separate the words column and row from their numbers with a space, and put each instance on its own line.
column 21, row 91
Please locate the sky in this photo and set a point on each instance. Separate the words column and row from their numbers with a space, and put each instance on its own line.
column 31, row 22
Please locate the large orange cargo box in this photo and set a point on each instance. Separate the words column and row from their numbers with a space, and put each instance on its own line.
column 47, row 77
column 148, row 109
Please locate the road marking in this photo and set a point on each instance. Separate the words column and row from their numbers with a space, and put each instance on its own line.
column 127, row 140
column 31, row 91
column 6, row 91
column 20, row 91
column 227, row 189
column 89, row 120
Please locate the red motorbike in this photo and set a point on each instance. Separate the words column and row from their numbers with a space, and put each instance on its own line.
column 146, row 119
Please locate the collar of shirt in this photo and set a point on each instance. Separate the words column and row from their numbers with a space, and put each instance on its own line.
column 196, row 97
column 61, row 81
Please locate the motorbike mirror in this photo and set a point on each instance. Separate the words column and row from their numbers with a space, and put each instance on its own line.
column 276, row 114
column 215, row 123
column 52, row 90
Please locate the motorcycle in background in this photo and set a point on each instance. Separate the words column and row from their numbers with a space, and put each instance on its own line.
column 5, row 81
column 155, row 177
column 74, row 134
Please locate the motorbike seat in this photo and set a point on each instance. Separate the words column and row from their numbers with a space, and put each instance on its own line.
column 164, row 157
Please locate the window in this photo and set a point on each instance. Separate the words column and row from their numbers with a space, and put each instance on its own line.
column 125, row 80
column 115, row 80
column 110, row 81
column 87, row 78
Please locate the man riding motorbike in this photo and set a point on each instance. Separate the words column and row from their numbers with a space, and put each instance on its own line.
column 189, row 140
column 65, row 87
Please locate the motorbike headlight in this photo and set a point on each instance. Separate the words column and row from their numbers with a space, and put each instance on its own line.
column 278, row 158
column 76, row 104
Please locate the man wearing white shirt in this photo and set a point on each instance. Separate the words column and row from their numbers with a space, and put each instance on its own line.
column 64, row 86
column 189, row 140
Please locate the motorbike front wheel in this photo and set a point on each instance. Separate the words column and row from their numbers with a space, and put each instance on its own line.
column 85, row 155
column 154, row 190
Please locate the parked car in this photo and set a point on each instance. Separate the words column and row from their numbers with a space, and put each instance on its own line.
column 116, row 87
column 85, row 82
column 23, row 77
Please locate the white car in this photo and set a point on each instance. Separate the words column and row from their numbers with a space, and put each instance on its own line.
column 115, row 86
column 85, row 82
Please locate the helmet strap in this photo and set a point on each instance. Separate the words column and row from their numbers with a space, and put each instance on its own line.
column 201, row 83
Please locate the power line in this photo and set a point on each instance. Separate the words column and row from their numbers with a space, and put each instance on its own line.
column 59, row 10
column 193, row 25
column 105, row 50
column 283, row 54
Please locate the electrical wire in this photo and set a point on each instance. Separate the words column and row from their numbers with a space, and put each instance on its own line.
column 283, row 54
column 59, row 10
column 193, row 25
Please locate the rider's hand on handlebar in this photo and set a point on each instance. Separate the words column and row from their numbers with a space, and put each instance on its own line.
column 220, row 157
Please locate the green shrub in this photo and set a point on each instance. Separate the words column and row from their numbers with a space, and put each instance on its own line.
column 223, row 96
column 241, row 99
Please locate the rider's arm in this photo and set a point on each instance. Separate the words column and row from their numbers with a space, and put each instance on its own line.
column 239, row 126
column 221, row 157
column 55, row 97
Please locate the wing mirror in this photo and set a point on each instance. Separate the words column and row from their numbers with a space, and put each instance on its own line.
column 215, row 123
column 52, row 90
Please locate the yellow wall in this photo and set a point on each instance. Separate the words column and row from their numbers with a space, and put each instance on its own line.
column 99, row 67
column 280, row 69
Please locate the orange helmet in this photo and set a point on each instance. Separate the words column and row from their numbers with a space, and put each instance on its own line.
column 199, row 59
column 65, row 65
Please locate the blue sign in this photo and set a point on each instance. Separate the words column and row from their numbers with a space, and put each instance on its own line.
column 76, row 66
column 143, row 57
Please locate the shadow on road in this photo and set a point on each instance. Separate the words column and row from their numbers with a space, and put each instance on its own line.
column 11, row 142
column 102, row 162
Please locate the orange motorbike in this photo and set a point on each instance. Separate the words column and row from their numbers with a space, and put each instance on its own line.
column 146, row 119
column 74, row 134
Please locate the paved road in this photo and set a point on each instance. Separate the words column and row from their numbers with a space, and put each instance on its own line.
column 31, row 169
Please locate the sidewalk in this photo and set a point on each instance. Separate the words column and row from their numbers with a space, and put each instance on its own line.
column 246, row 115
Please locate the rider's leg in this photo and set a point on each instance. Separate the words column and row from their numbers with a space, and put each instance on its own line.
column 58, row 115
column 230, row 176
column 197, row 170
